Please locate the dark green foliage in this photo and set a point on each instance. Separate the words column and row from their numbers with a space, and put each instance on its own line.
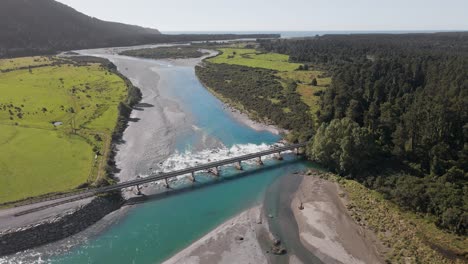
column 314, row 82
column 446, row 200
column 343, row 146
column 177, row 52
column 408, row 92
column 259, row 91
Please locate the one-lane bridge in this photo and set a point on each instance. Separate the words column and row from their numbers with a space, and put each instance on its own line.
column 213, row 167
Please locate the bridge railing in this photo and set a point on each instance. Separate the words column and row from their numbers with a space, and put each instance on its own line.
column 206, row 166
column 163, row 176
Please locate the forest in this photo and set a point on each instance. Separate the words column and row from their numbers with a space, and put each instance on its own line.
column 395, row 116
column 260, row 93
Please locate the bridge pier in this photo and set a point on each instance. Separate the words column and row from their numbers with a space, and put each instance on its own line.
column 259, row 161
column 278, row 156
column 296, row 151
column 239, row 165
column 192, row 177
column 138, row 190
column 166, row 183
column 215, row 171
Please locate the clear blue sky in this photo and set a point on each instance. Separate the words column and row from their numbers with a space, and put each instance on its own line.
column 281, row 15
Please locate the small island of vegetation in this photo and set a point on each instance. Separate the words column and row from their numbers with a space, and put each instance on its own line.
column 174, row 52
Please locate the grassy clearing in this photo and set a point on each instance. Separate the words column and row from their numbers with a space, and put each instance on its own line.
column 8, row 64
column 410, row 238
column 309, row 94
column 39, row 158
column 255, row 59
column 287, row 71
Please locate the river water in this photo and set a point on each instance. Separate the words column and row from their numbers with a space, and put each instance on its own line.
column 178, row 124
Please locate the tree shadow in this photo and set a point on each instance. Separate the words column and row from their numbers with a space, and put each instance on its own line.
column 134, row 119
column 144, row 105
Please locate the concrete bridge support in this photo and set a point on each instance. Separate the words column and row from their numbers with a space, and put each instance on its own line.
column 166, row 183
column 239, row 165
column 296, row 151
column 278, row 156
column 138, row 190
column 192, row 176
column 259, row 161
column 215, row 171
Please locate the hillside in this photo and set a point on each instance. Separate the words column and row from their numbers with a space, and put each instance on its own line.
column 31, row 26
column 40, row 27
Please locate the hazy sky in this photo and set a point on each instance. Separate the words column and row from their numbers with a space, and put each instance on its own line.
column 281, row 15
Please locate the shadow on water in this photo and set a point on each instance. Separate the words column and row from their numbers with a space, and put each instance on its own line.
column 197, row 185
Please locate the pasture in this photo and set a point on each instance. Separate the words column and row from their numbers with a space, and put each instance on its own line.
column 56, row 123
column 255, row 59
column 286, row 71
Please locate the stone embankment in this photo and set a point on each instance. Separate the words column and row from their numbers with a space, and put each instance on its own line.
column 62, row 226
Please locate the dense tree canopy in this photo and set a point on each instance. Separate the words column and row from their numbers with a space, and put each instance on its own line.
column 260, row 93
column 343, row 146
column 409, row 95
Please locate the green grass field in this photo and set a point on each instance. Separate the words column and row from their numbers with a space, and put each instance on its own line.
column 287, row 71
column 38, row 161
column 37, row 157
column 16, row 63
column 252, row 58
column 309, row 93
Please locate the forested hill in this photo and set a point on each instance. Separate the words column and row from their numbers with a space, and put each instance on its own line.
column 43, row 25
column 399, row 98
column 332, row 50
column 36, row 27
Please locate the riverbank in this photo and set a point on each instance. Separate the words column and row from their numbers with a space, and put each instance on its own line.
column 319, row 219
column 326, row 227
column 409, row 237
column 59, row 226
column 240, row 114
column 235, row 241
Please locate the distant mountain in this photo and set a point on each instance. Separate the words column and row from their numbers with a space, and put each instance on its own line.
column 38, row 27
column 43, row 26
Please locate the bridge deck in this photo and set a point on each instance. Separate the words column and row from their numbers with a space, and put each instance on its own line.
column 206, row 166
column 153, row 178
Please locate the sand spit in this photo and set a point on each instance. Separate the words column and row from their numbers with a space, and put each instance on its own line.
column 235, row 241
column 258, row 126
column 327, row 229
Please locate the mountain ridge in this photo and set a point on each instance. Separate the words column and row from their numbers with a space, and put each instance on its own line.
column 31, row 26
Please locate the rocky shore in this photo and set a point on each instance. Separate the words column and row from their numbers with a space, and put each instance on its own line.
column 59, row 227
